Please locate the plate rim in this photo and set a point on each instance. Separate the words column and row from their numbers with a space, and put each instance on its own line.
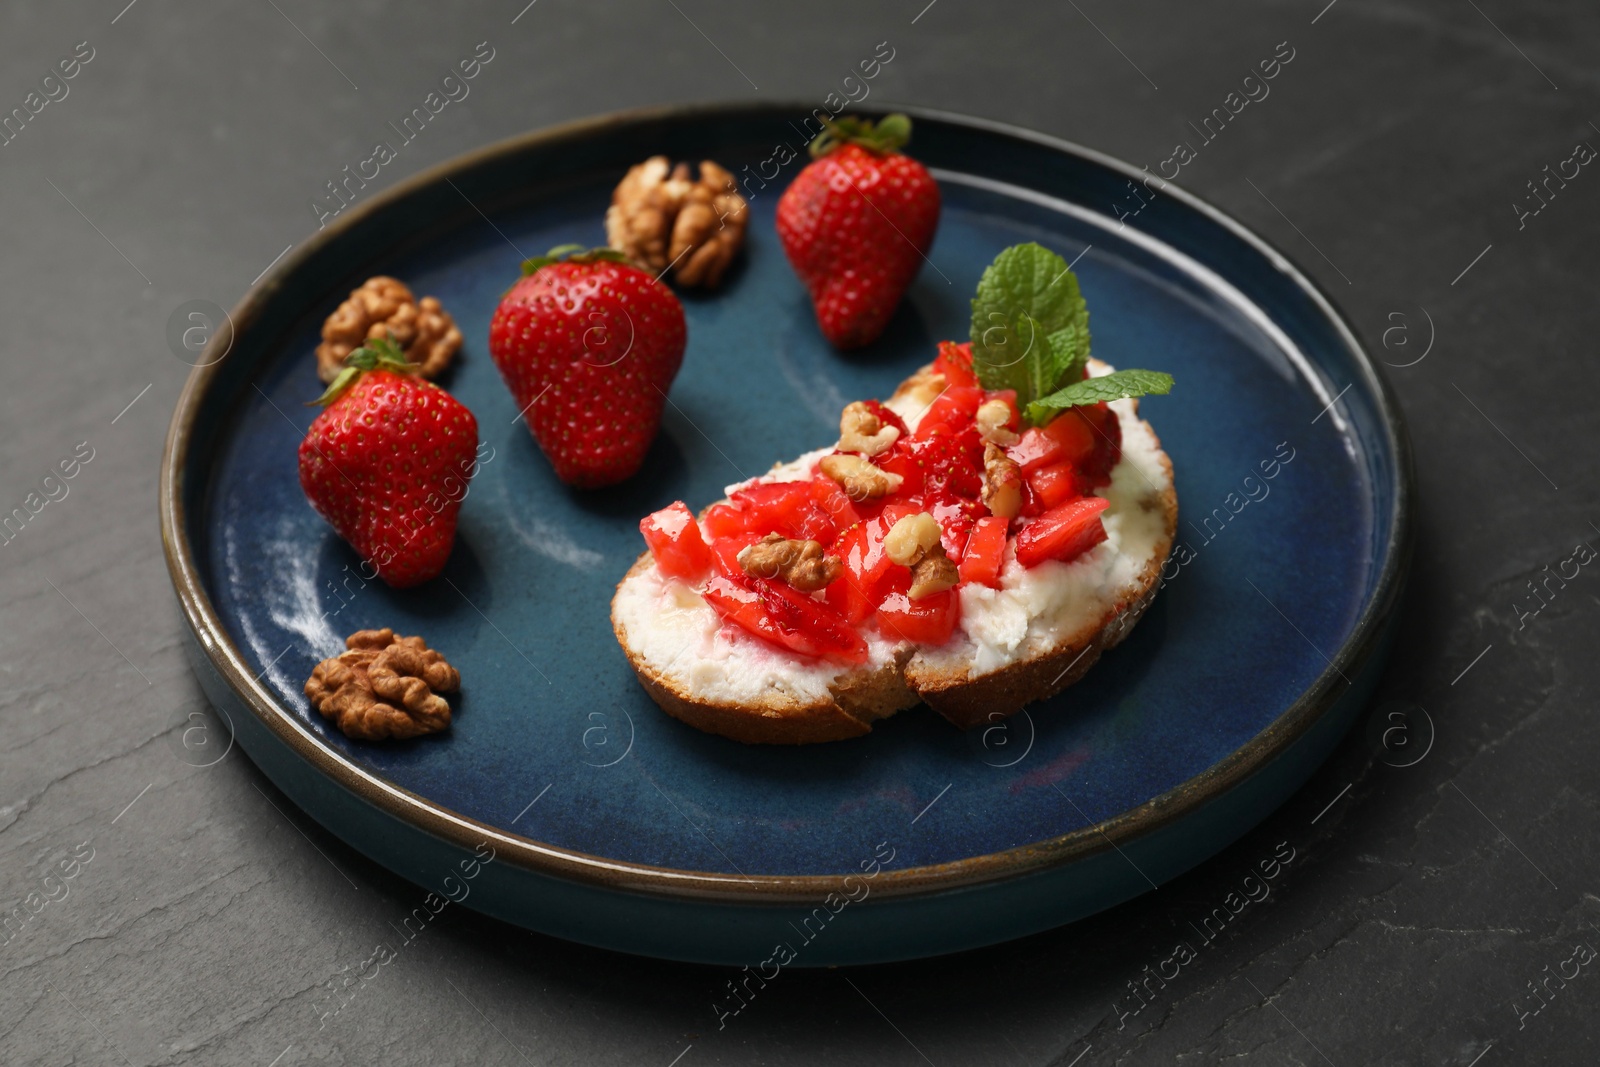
column 418, row 812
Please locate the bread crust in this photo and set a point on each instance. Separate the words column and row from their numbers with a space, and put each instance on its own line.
column 860, row 697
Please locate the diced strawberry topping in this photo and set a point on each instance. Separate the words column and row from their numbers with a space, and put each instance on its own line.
column 725, row 520
column 929, row 621
column 886, row 416
column 1088, row 439
column 675, row 542
column 869, row 575
column 1063, row 533
column 952, row 463
column 725, row 552
column 1009, row 397
column 835, row 503
column 942, row 472
column 788, row 508
column 901, row 460
column 955, row 363
column 951, row 412
column 786, row 617
column 1056, row 484
column 815, row 525
column 1071, row 430
column 985, row 551
column 774, row 506
column 1036, row 449
column 955, row 517
column 1108, row 444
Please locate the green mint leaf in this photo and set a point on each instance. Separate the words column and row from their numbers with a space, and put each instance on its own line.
column 1037, row 358
column 1069, row 348
column 1118, row 385
column 1030, row 326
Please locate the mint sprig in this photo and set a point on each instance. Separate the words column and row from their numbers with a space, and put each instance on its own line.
column 1118, row 385
column 1030, row 332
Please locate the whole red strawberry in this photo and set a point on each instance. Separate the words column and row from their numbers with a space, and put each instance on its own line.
column 856, row 224
column 387, row 463
column 589, row 346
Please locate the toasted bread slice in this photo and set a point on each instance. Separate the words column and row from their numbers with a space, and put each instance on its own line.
column 1030, row 639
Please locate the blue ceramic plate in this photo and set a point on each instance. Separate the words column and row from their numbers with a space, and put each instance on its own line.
column 610, row 823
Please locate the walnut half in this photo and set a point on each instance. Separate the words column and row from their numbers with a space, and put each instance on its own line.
column 384, row 686
column 1002, row 482
column 914, row 542
column 661, row 219
column 994, row 423
column 860, row 430
column 799, row 563
column 860, row 479
column 384, row 307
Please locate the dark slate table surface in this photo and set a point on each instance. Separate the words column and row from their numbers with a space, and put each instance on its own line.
column 1436, row 883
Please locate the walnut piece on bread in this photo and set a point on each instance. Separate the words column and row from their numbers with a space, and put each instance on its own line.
column 860, row 479
column 994, row 423
column 384, row 307
column 384, row 686
column 914, row 542
column 1002, row 482
column 801, row 564
column 861, row 430
column 662, row 219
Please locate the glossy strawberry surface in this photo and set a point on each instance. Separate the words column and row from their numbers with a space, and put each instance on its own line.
column 589, row 351
column 387, row 464
column 856, row 225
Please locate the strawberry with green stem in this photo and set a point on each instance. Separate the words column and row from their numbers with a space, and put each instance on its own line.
column 588, row 346
column 387, row 463
column 857, row 223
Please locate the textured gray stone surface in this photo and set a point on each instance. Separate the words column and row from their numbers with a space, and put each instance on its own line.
column 1421, row 900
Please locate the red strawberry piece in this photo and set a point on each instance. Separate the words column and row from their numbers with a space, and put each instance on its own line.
column 985, row 552
column 954, row 362
column 786, row 508
column 955, row 517
column 1063, row 533
column 952, row 464
column 786, row 617
column 951, row 411
column 675, row 542
column 928, row 621
column 835, row 505
column 387, row 463
column 886, row 415
column 869, row 574
column 726, row 520
column 857, row 223
column 725, row 553
column 900, row 459
column 1075, row 432
column 1056, row 484
column 1107, row 443
column 589, row 346
column 1036, row 449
